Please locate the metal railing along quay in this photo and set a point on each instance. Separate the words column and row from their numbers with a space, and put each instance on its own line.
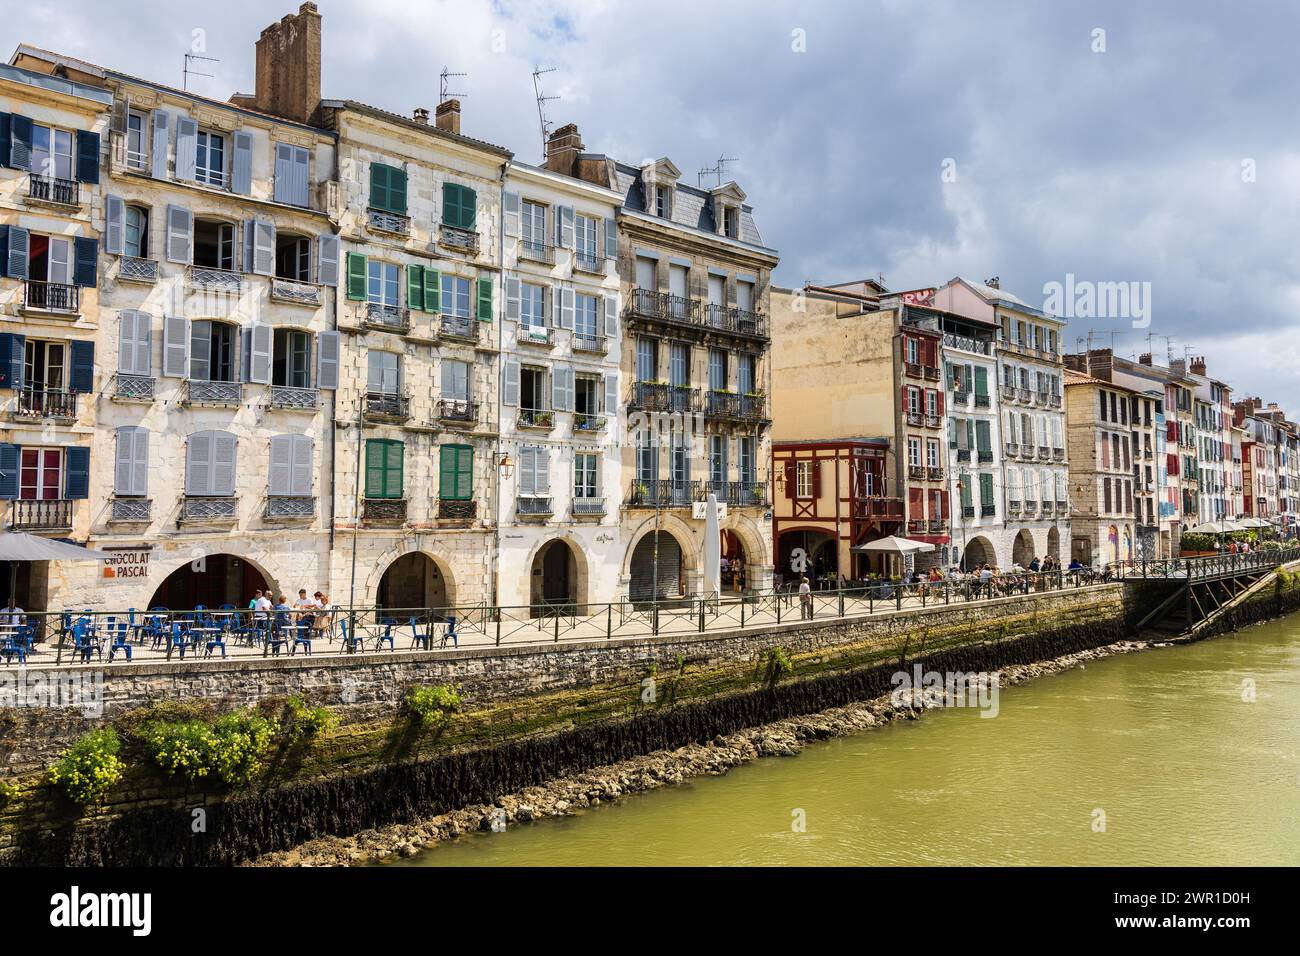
column 1206, row 567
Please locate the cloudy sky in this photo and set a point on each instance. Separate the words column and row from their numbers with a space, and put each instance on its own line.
column 1115, row 142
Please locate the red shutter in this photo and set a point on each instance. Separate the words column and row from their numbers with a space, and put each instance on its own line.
column 817, row 479
column 903, row 398
column 789, row 479
column 915, row 504
column 941, row 403
column 941, row 506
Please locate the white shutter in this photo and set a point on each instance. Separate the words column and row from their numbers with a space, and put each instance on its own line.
column 159, row 158
column 223, row 464
column 114, row 225
column 543, row 465
column 263, row 247
column 611, row 394
column 611, row 316
column 566, row 308
column 263, row 340
column 512, row 298
column 201, row 350
column 143, row 343
column 564, row 226
column 126, row 471
column 327, row 267
column 135, row 329
column 176, row 346
column 301, row 176
column 187, row 144
column 557, row 389
column 300, row 485
column 611, row 239
column 327, row 360
column 512, row 206
column 180, row 234
column 140, row 462
column 527, row 470
column 281, row 469
column 510, row 383
column 241, row 163
column 198, row 464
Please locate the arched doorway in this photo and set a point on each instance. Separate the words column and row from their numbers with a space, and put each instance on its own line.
column 1112, row 537
column 733, row 562
column 978, row 552
column 553, row 582
column 211, row 581
column 1022, row 550
column 646, row 583
column 1054, row 543
column 412, row 582
column 807, row 552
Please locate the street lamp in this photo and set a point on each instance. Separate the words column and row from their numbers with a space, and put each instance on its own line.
column 506, row 465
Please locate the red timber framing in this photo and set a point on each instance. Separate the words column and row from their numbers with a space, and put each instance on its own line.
column 833, row 488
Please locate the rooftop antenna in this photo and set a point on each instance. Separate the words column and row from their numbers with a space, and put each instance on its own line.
column 538, row 73
column 187, row 71
column 443, row 94
column 715, row 171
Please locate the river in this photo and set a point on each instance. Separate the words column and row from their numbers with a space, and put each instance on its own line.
column 1169, row 748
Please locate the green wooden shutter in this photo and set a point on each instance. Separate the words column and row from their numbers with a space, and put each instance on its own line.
column 986, row 490
column 468, row 208
column 393, row 469
column 415, row 287
column 384, row 468
column 465, row 473
column 379, row 186
column 374, row 468
column 965, row 491
column 982, row 435
column 356, row 276
column 397, row 191
column 981, row 380
column 456, row 472
column 450, row 204
column 432, row 300
column 447, row 471
column 484, row 286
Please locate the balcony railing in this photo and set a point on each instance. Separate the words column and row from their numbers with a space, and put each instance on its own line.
column 1012, row 449
column 985, row 455
column 585, row 342
column 1013, row 507
column 131, row 509
column 459, row 327
column 211, row 279
column 383, row 406
column 664, row 492
column 284, row 506
column 748, row 408
column 64, row 192
column 1008, row 393
column 915, row 419
column 40, row 403
column 527, row 506
column 50, row 515
column 1058, row 454
column 933, row 421
column 135, row 388
column 930, row 372
column 963, row 454
column 459, row 240
column 662, row 397
column 916, row 471
column 458, row 411
column 387, row 318
column 457, row 509
column 586, row 422
column 981, row 401
column 135, row 269
column 737, row 493
column 383, row 509
column 588, row 506
column 961, row 397
column 877, row 507
column 592, row 264
column 535, row 418
column 51, row 296
column 284, row 396
column 667, row 307
column 965, row 344
column 390, row 222
column 935, row 474
column 213, row 393
column 208, row 509
column 296, row 292
column 537, row 251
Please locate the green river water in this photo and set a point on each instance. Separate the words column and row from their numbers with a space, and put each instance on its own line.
column 1162, row 742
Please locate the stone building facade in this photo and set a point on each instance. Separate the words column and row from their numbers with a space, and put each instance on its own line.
column 1101, row 470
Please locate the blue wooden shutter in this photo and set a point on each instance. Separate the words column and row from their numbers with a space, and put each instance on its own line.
column 158, row 159
column 76, row 472
column 114, row 225
column 85, row 271
column 12, row 348
column 187, row 146
column 6, row 140
column 241, row 164
column 82, row 375
column 15, row 260
column 87, row 156
column 281, row 469
column 9, row 471
column 20, row 142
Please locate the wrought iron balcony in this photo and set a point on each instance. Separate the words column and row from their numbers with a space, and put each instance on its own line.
column 588, row 506
column 284, row 396
column 1012, row 449
column 912, row 369
column 916, row 471
column 458, row 240
column 1008, row 393
column 457, row 509
column 968, row 511
column 386, row 407
column 933, row 421
column 42, row 403
column 963, row 454
column 49, row 515
column 537, row 251
column 965, row 344
column 661, row 492
column 915, row 419
column 527, row 506
column 135, row 269
column 585, row 422
column 285, row 506
column 981, row 401
column 535, row 418
column 534, row 335
column 1013, row 508
column 131, row 509
column 747, row 408
column 459, row 327
column 985, row 455
column 934, row 474
column 386, row 318
column 62, row 192
column 213, row 393
column 936, row 526
column 209, row 279
column 133, row 388
column 208, row 509
column 960, row 397
column 383, row 509
column 585, row 342
column 458, row 411
column 662, row 397
column 930, row 372
column 877, row 507
column 592, row 264
column 51, row 296
column 390, row 222
column 1058, row 454
column 296, row 292
column 1043, row 398
column 1044, row 452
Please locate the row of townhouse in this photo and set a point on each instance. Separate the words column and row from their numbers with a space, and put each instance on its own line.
column 935, row 413
column 283, row 341
column 1269, row 462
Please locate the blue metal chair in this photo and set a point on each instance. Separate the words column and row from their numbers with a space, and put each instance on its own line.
column 351, row 642
column 119, row 642
column 417, row 639
column 214, row 641
column 179, row 640
column 301, row 635
column 85, row 642
column 385, row 635
column 450, row 634
column 11, row 648
column 275, row 638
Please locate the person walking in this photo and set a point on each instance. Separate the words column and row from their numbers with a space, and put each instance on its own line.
column 805, row 600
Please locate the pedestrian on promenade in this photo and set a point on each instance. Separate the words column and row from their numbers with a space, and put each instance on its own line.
column 805, row 600
column 281, row 623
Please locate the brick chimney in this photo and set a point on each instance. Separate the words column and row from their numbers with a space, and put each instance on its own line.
column 288, row 66
column 447, row 116
column 421, row 116
column 1144, row 358
column 563, row 148
column 1198, row 365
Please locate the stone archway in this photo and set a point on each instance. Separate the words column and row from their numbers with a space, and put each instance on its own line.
column 1022, row 549
column 978, row 552
column 212, row 580
column 401, row 577
column 811, row 552
column 1054, row 543
column 657, row 566
column 558, row 577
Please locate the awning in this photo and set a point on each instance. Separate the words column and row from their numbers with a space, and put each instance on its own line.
column 19, row 546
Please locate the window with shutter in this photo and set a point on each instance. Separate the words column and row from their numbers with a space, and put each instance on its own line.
column 456, row 472
column 483, row 286
column 459, row 206
column 131, row 474
column 384, row 462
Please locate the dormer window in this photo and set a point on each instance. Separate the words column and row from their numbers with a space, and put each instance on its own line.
column 731, row 222
column 663, row 201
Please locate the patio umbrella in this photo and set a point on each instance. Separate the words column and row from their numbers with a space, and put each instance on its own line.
column 894, row 545
column 17, row 546
column 1254, row 523
column 712, row 549
column 1215, row 527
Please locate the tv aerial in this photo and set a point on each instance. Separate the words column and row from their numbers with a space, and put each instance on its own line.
column 716, row 170
column 187, row 70
column 538, row 73
column 443, row 93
